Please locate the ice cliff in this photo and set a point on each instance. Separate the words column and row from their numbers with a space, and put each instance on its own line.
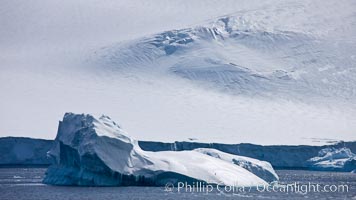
column 24, row 151
column 280, row 156
column 92, row 151
column 29, row 151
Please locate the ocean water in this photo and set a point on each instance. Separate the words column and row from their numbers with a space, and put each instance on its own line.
column 25, row 183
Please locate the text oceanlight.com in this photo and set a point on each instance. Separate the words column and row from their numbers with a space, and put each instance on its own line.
column 296, row 187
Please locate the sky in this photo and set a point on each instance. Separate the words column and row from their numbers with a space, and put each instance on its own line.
column 45, row 53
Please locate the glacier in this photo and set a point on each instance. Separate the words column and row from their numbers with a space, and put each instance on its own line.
column 92, row 151
column 236, row 55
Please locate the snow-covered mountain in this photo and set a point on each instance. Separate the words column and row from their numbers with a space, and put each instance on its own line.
column 213, row 71
column 237, row 55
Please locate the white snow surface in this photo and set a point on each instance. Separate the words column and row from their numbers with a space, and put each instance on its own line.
column 227, row 71
column 260, row 168
column 90, row 150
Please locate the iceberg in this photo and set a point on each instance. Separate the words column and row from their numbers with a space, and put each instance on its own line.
column 334, row 159
column 262, row 169
column 95, row 151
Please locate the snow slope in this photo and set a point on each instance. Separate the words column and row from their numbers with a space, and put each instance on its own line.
column 262, row 169
column 235, row 55
column 217, row 71
column 93, row 151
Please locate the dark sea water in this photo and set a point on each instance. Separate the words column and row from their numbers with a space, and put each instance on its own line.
column 25, row 183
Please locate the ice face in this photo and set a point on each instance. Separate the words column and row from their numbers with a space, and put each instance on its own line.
column 92, row 151
column 24, row 151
